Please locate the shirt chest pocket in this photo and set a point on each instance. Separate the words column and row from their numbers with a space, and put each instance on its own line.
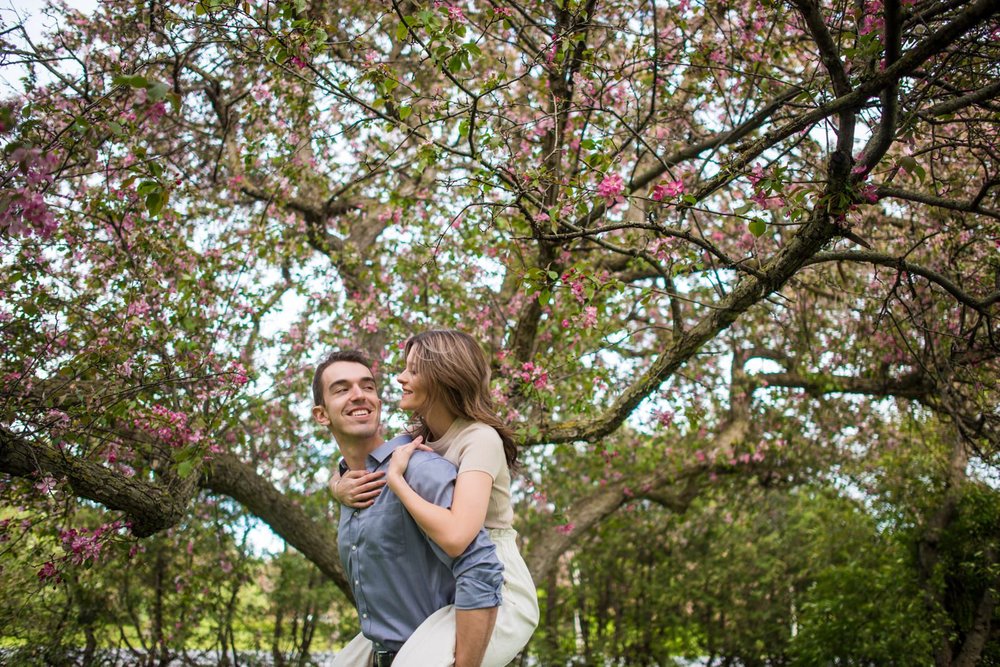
column 385, row 531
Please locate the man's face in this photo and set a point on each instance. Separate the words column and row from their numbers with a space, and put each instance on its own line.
column 351, row 405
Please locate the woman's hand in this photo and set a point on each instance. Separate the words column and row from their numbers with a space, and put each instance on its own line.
column 357, row 488
column 401, row 459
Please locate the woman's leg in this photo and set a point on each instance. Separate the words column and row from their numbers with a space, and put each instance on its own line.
column 358, row 653
column 432, row 644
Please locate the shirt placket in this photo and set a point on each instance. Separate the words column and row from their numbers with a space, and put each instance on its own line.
column 355, row 532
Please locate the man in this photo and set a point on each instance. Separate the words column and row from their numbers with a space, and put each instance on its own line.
column 399, row 577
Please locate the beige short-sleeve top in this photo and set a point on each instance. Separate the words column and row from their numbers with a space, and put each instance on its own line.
column 476, row 446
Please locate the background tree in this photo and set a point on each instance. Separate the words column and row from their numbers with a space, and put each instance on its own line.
column 703, row 242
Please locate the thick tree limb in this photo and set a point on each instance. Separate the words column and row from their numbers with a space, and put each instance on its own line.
column 914, row 386
column 150, row 507
column 956, row 104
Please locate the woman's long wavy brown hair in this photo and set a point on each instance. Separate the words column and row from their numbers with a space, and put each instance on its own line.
column 458, row 375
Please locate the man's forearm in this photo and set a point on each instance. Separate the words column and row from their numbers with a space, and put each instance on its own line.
column 473, row 629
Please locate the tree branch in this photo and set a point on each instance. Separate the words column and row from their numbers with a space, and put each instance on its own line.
column 898, row 263
column 150, row 507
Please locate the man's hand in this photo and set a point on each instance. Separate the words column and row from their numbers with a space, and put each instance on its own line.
column 473, row 629
column 357, row 488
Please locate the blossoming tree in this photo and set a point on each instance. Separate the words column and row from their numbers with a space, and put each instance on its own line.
column 699, row 240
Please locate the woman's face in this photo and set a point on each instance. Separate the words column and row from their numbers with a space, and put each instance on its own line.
column 414, row 388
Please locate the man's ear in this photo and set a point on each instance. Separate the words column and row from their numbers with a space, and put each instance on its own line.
column 319, row 414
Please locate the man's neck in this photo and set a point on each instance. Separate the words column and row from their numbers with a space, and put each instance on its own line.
column 356, row 453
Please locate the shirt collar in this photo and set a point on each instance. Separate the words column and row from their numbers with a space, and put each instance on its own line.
column 380, row 453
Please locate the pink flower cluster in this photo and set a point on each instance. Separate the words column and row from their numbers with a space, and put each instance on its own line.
column 171, row 427
column 239, row 374
column 81, row 546
column 49, row 572
column 611, row 189
column 668, row 189
column 874, row 18
column 535, row 375
column 23, row 210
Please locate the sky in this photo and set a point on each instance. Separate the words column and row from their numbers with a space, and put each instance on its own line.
column 30, row 13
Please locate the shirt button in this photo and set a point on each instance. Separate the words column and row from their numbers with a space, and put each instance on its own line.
column 364, row 615
column 356, row 512
column 354, row 547
column 356, row 582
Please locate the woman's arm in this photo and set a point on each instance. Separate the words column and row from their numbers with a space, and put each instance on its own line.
column 454, row 528
column 357, row 488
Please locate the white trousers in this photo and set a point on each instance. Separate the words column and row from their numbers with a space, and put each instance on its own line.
column 433, row 643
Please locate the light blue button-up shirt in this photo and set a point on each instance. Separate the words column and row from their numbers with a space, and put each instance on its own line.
column 399, row 576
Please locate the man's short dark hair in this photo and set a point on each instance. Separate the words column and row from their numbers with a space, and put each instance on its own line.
column 354, row 356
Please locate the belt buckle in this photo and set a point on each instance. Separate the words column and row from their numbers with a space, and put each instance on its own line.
column 383, row 658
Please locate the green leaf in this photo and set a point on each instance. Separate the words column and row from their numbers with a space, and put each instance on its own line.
column 134, row 81
column 907, row 162
column 404, row 112
column 455, row 63
column 147, row 187
column 472, row 48
column 155, row 202
column 757, row 227
column 589, row 144
column 401, row 32
column 185, row 468
column 158, row 90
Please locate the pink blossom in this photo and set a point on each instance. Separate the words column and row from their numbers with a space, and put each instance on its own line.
column 611, row 188
column 668, row 189
column 589, row 317
column 565, row 529
column 870, row 193
column 46, row 485
column 49, row 573
column 239, row 374
column 455, row 14
column 665, row 417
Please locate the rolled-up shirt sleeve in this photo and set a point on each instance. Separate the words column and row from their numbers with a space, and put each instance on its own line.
column 478, row 572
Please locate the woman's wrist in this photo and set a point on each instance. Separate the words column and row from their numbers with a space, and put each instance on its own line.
column 394, row 480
